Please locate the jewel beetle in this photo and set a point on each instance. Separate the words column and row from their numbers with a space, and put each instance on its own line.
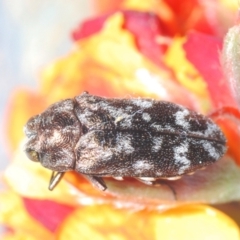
column 109, row 137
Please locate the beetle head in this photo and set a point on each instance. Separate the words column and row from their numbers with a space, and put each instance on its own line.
column 52, row 137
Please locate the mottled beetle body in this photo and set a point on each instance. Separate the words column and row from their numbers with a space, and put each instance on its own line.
column 141, row 138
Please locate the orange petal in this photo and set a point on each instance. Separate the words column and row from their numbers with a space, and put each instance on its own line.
column 187, row 222
column 24, row 104
column 228, row 118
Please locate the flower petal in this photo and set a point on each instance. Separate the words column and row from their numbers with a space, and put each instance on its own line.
column 218, row 183
column 211, row 17
column 14, row 216
column 187, row 222
column 145, row 27
column 112, row 66
column 228, row 118
column 206, row 61
column 48, row 213
column 186, row 73
column 18, row 236
column 231, row 209
column 196, row 222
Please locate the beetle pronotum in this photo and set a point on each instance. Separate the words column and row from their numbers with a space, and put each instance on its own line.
column 141, row 138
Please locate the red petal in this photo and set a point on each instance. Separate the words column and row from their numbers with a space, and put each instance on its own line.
column 190, row 14
column 229, row 119
column 203, row 52
column 89, row 27
column 146, row 28
column 47, row 212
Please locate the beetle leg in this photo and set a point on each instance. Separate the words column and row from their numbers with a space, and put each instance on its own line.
column 97, row 182
column 55, row 179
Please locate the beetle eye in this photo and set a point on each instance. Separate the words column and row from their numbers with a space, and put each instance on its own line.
column 32, row 155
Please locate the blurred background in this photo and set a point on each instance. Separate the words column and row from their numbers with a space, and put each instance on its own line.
column 33, row 33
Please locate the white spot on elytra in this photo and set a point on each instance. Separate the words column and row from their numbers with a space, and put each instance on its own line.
column 129, row 108
column 157, row 143
column 126, row 119
column 180, row 157
column 141, row 166
column 211, row 129
column 143, row 103
column 121, row 116
column 113, row 111
column 160, row 128
column 124, row 145
column 210, row 150
column 146, row 117
column 180, row 118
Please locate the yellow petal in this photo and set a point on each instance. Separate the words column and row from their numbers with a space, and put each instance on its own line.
column 88, row 64
column 196, row 222
column 231, row 4
column 14, row 216
column 186, row 73
column 109, row 63
column 104, row 222
column 18, row 236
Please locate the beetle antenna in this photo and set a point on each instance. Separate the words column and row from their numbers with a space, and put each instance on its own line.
column 55, row 179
